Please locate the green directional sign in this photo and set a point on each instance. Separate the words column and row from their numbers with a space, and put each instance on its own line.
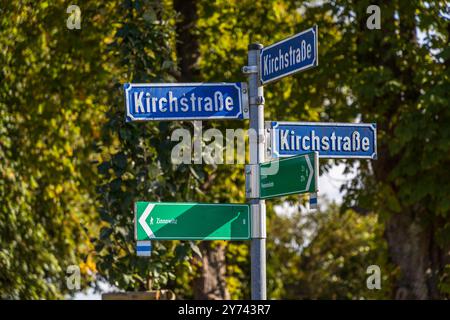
column 293, row 175
column 191, row 221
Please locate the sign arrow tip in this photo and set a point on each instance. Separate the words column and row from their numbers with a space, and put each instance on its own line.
column 143, row 222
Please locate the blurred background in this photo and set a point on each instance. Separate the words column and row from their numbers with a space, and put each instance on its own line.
column 71, row 168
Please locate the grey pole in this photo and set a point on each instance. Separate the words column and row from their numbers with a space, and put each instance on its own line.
column 257, row 152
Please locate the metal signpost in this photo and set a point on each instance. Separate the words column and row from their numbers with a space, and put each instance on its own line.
column 257, row 150
column 185, row 101
column 330, row 140
column 191, row 221
column 266, row 65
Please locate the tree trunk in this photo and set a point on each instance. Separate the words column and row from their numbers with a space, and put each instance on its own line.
column 187, row 40
column 210, row 284
column 411, row 250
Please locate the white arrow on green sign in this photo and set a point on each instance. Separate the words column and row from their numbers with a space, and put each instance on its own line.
column 191, row 221
column 292, row 175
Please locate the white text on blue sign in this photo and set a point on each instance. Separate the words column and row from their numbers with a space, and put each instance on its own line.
column 289, row 56
column 190, row 101
column 330, row 140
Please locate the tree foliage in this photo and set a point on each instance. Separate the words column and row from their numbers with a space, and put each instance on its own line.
column 49, row 116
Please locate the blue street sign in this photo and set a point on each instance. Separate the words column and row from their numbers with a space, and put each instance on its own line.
column 186, row 101
column 331, row 140
column 144, row 248
column 289, row 56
